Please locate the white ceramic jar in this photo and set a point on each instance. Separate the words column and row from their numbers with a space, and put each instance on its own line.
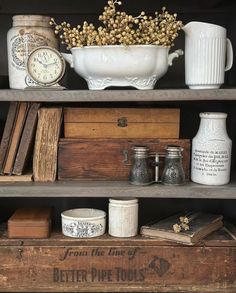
column 27, row 33
column 211, row 151
column 123, row 217
column 83, row 223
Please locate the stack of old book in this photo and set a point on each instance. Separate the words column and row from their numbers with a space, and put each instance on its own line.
column 97, row 142
column 187, row 228
column 17, row 141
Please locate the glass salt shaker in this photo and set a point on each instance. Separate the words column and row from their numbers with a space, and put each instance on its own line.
column 173, row 173
column 141, row 172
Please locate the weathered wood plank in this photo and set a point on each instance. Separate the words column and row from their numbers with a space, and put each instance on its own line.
column 117, row 95
column 109, row 159
column 115, row 189
column 117, row 268
column 219, row 238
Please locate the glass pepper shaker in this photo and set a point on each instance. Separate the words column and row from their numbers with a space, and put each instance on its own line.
column 173, row 173
column 141, row 173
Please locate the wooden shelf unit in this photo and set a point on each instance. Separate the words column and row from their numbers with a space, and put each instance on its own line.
column 137, row 264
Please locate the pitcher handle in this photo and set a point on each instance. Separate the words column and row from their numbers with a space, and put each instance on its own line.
column 174, row 55
column 229, row 54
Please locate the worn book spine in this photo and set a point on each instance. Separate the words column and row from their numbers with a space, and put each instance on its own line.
column 17, row 132
column 6, row 138
column 24, row 149
column 46, row 144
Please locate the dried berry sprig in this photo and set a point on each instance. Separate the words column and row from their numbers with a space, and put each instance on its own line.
column 120, row 28
column 182, row 225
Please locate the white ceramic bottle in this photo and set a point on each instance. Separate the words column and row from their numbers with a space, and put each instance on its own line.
column 211, row 151
column 123, row 217
column 27, row 33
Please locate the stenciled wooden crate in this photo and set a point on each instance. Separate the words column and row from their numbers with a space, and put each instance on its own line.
column 109, row 159
column 107, row 264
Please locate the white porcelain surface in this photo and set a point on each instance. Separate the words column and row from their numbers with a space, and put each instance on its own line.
column 28, row 32
column 123, row 217
column 83, row 223
column 206, row 48
column 211, row 151
column 139, row 66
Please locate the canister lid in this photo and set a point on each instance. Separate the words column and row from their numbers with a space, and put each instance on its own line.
column 214, row 115
column 31, row 20
column 123, row 200
column 83, row 214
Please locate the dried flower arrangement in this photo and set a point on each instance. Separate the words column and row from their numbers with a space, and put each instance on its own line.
column 120, row 28
column 183, row 225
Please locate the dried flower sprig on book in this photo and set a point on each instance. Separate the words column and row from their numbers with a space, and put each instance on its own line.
column 183, row 224
column 120, row 28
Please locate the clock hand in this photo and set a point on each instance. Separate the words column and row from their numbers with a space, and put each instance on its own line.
column 52, row 63
column 40, row 62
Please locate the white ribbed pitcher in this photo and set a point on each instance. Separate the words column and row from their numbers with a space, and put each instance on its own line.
column 208, row 54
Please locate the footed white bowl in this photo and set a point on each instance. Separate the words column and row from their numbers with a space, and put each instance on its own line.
column 83, row 223
column 139, row 66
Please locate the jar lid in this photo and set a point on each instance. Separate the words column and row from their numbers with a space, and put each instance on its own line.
column 174, row 151
column 83, row 214
column 215, row 115
column 31, row 20
column 123, row 200
column 140, row 151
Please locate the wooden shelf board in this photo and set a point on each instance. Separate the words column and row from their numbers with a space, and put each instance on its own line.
column 117, row 95
column 216, row 239
column 109, row 189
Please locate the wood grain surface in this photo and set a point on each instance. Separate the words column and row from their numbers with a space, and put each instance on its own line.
column 109, row 264
column 80, row 159
column 118, row 95
column 107, row 123
column 30, row 223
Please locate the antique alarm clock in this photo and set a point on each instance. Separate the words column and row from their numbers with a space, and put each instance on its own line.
column 45, row 66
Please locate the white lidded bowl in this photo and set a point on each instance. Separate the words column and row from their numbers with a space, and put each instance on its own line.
column 83, row 223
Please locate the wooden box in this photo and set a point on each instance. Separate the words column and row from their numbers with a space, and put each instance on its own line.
column 30, row 223
column 109, row 264
column 121, row 123
column 104, row 159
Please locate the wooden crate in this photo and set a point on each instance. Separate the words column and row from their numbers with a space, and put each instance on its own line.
column 107, row 264
column 104, row 159
column 121, row 123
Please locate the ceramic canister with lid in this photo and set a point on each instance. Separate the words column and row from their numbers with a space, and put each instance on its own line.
column 27, row 33
column 211, row 150
column 123, row 217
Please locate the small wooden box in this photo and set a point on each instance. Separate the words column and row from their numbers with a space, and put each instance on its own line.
column 121, row 123
column 108, row 159
column 30, row 223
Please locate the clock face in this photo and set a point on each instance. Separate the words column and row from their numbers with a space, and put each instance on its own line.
column 46, row 66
